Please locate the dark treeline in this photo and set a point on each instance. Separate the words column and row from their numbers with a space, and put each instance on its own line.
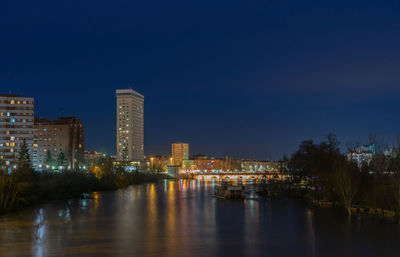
column 332, row 177
column 25, row 187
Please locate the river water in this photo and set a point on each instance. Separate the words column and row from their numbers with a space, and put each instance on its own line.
column 184, row 219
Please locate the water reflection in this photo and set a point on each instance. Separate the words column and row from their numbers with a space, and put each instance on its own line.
column 183, row 218
column 171, row 218
column 39, row 230
column 311, row 235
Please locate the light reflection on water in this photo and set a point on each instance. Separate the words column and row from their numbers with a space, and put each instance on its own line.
column 183, row 218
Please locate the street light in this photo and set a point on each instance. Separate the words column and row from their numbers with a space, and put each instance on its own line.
column 151, row 163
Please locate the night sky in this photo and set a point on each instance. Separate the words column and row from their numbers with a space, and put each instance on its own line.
column 238, row 78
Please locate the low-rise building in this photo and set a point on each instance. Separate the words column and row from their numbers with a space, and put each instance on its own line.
column 58, row 139
column 91, row 158
column 208, row 164
column 362, row 155
column 188, row 165
column 260, row 166
column 180, row 152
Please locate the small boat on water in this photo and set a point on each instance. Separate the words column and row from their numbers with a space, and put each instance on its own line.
column 230, row 192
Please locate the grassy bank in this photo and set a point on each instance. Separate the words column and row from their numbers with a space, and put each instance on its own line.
column 18, row 191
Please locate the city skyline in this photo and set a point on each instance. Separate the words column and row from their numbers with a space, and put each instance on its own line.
column 180, row 128
column 240, row 79
column 388, row 140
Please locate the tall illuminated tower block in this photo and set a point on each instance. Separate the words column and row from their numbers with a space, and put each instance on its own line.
column 16, row 126
column 130, row 125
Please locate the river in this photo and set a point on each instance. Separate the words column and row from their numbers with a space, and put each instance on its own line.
column 184, row 219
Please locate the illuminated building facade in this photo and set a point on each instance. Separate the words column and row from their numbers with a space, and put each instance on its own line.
column 363, row 155
column 91, row 158
column 130, row 125
column 16, row 125
column 188, row 165
column 65, row 135
column 92, row 155
column 180, row 152
column 255, row 165
column 208, row 164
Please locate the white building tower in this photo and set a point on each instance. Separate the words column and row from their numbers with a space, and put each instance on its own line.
column 130, row 125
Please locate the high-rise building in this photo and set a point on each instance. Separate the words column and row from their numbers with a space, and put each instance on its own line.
column 130, row 125
column 180, row 152
column 65, row 135
column 16, row 125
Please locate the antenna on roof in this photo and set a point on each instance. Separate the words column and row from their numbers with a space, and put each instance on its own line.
column 130, row 87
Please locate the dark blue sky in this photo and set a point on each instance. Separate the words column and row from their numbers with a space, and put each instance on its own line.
column 242, row 78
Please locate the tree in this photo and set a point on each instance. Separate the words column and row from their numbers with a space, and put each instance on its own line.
column 49, row 159
column 106, row 166
column 345, row 183
column 24, row 158
column 394, row 191
column 80, row 160
column 24, row 165
column 61, row 160
column 333, row 143
column 283, row 164
column 2, row 165
column 352, row 146
column 316, row 160
column 158, row 164
column 231, row 164
column 13, row 190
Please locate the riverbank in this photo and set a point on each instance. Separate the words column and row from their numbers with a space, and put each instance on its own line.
column 315, row 199
column 20, row 191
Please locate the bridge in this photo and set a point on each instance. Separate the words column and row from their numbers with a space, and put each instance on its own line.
column 234, row 176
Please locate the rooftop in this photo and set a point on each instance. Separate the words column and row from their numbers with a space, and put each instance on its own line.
column 128, row 91
column 9, row 95
column 58, row 121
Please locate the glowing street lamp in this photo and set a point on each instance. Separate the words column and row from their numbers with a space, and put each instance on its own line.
column 151, row 162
